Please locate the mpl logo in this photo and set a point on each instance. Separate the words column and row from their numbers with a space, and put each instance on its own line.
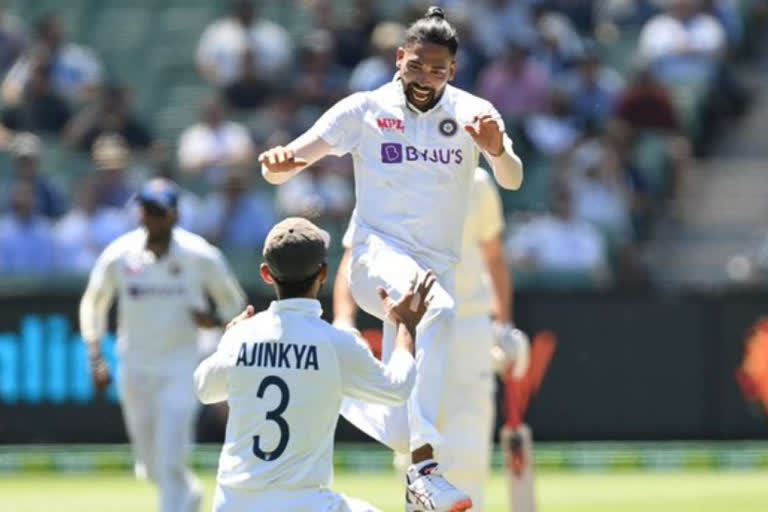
column 392, row 125
column 391, row 153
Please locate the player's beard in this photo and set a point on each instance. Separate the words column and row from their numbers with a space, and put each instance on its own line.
column 421, row 97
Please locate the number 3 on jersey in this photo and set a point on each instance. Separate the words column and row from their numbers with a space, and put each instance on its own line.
column 274, row 415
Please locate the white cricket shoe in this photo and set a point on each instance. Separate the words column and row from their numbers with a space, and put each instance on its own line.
column 427, row 490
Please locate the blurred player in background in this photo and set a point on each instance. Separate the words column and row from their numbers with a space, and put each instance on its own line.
column 483, row 290
column 284, row 372
column 415, row 143
column 162, row 276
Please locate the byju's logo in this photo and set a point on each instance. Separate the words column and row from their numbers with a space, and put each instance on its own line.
column 394, row 153
column 391, row 153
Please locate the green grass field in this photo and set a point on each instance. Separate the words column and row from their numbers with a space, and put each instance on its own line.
column 558, row 492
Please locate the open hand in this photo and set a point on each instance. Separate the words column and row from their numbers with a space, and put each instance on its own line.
column 281, row 159
column 410, row 309
column 488, row 135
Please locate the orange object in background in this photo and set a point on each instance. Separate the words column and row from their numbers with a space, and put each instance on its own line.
column 752, row 375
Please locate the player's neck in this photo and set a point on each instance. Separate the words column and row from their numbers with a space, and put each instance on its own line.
column 159, row 246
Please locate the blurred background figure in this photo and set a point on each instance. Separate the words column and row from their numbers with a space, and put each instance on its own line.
column 235, row 216
column 111, row 161
column 26, row 240
column 224, row 43
column 39, row 106
column 215, row 144
column 378, row 69
column 559, row 242
column 515, row 83
column 75, row 70
column 109, row 113
column 26, row 149
column 12, row 40
column 87, row 228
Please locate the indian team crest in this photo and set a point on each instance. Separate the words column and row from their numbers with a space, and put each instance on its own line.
column 448, row 127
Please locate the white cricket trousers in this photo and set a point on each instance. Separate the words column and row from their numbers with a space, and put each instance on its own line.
column 467, row 408
column 159, row 412
column 376, row 264
column 465, row 416
column 229, row 499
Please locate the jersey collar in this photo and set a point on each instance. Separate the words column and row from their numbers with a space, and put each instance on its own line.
column 303, row 306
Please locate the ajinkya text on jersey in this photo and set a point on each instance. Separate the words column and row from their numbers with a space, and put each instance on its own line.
column 278, row 355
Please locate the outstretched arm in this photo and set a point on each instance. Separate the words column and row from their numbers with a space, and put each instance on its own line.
column 281, row 163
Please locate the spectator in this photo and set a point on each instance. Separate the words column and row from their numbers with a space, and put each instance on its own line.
column 321, row 82
column 600, row 190
column 111, row 159
column 110, row 113
column 557, row 42
column 497, row 23
column 684, row 44
column 235, row 217
column 26, row 150
column 352, row 32
column 75, row 70
column 559, row 241
column 40, row 108
column 554, row 131
column 251, row 88
column 87, row 229
column 12, row 42
column 515, row 84
column 322, row 192
column 224, row 43
column 215, row 144
column 646, row 105
column 593, row 90
column 281, row 120
column 26, row 242
column 379, row 68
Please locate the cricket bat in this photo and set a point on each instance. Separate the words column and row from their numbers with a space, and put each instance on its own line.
column 516, row 436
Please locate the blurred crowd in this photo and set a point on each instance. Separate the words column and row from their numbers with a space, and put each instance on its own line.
column 606, row 101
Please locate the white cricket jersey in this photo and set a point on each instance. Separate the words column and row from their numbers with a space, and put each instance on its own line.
column 485, row 220
column 283, row 373
column 413, row 170
column 156, row 297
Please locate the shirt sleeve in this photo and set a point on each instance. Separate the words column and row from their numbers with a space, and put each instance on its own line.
column 212, row 375
column 366, row 378
column 98, row 296
column 341, row 125
column 490, row 216
column 222, row 285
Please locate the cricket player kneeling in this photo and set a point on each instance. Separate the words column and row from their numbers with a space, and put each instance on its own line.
column 284, row 372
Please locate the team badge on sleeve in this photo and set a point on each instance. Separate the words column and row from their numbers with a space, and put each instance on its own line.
column 448, row 127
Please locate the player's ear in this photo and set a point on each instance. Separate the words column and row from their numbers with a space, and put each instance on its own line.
column 323, row 274
column 399, row 54
column 452, row 70
column 266, row 275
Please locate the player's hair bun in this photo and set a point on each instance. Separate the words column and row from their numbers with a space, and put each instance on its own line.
column 435, row 12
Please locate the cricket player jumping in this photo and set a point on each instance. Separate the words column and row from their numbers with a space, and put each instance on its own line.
column 284, row 372
column 415, row 143
column 483, row 289
column 161, row 275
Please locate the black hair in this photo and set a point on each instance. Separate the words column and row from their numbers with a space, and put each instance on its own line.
column 433, row 28
column 293, row 289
